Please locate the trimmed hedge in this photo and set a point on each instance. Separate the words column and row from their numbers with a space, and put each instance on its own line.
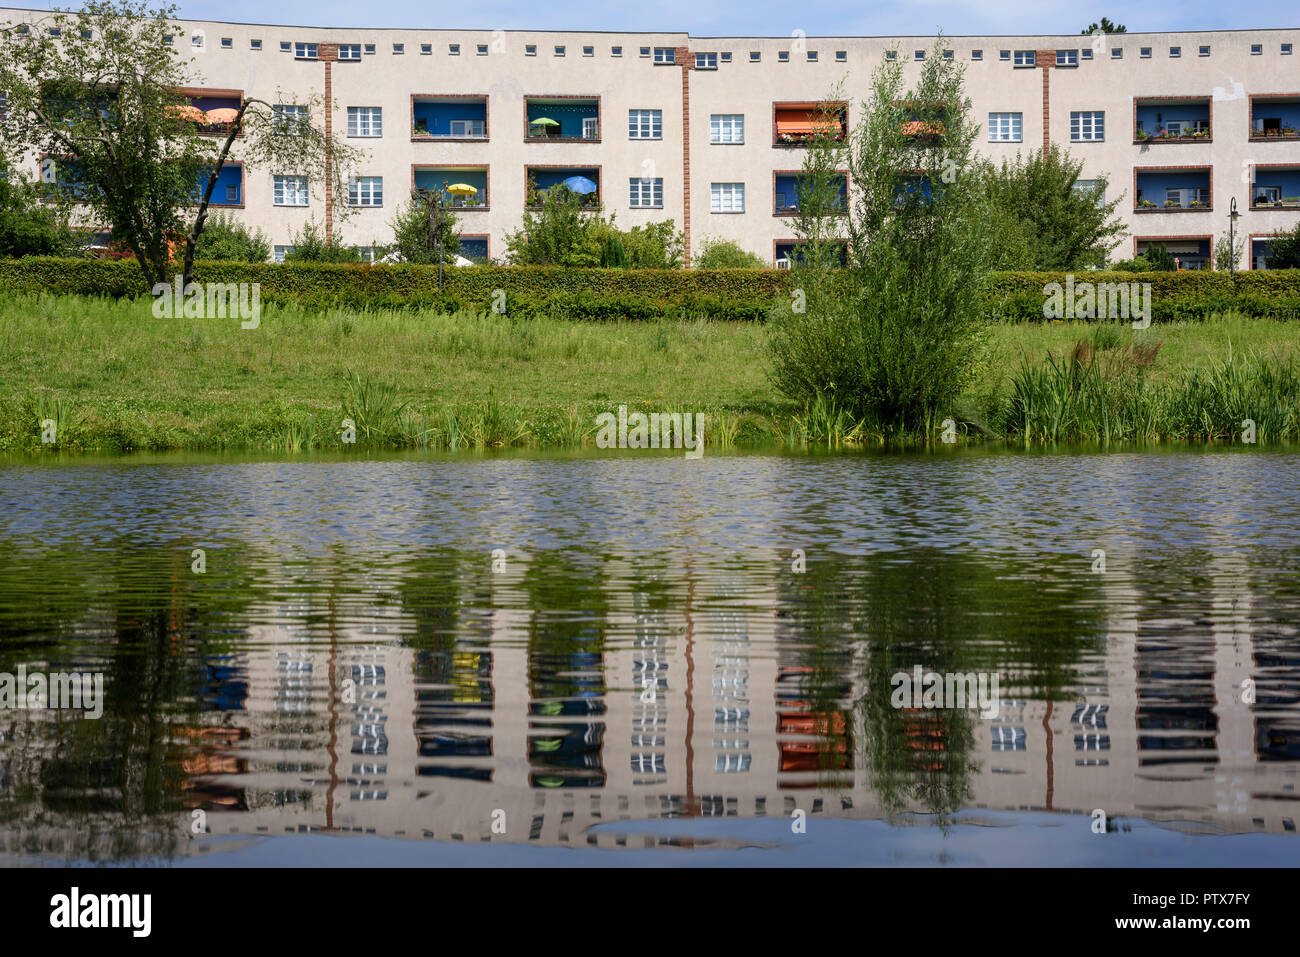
column 1192, row 294
column 624, row 293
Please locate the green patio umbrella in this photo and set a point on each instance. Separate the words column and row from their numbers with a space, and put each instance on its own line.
column 539, row 126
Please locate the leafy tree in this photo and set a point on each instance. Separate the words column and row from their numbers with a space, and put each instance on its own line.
column 104, row 98
column 895, row 337
column 1041, row 219
column 819, row 192
column 716, row 253
column 1104, row 27
column 1161, row 259
column 416, row 233
column 569, row 230
column 652, row 246
column 29, row 227
column 613, row 254
column 563, row 232
column 224, row 238
column 1284, row 250
column 1228, row 255
column 311, row 246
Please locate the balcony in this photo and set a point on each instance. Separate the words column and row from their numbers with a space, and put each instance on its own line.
column 1275, row 186
column 786, row 252
column 796, row 124
column 473, row 248
column 229, row 190
column 1172, row 190
column 562, row 119
column 1191, row 252
column 914, row 187
column 923, row 123
column 212, row 111
column 539, row 179
column 790, row 190
column 1274, row 118
column 449, row 118
column 1171, row 120
column 437, row 179
column 62, row 177
column 1259, row 253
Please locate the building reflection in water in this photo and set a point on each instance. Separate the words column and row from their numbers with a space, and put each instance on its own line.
column 573, row 691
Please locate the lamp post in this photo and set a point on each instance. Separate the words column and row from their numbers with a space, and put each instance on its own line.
column 1232, row 238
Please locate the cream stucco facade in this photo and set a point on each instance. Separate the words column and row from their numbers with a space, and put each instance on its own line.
column 1230, row 78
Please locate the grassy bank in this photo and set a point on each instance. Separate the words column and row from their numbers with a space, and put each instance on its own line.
column 113, row 377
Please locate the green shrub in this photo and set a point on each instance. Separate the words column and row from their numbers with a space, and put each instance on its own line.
column 226, row 240
column 311, row 245
column 717, row 253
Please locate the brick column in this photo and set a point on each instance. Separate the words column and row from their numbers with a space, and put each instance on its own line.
column 329, row 52
column 684, row 58
column 1046, row 59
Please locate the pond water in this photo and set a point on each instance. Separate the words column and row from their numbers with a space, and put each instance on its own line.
column 637, row 659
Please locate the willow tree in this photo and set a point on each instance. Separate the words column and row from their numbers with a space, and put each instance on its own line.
column 99, row 94
column 899, row 339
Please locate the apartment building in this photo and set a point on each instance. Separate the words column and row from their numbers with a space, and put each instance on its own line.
column 707, row 131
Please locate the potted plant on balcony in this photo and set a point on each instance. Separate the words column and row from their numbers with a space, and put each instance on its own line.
column 1142, row 136
column 1291, row 200
column 1287, row 131
column 1196, row 204
column 1170, row 203
column 421, row 128
column 1146, row 204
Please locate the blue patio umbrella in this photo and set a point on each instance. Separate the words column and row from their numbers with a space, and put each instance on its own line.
column 580, row 184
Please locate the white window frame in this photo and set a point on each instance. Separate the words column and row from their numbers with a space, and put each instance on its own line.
column 1089, row 122
column 365, row 122
column 706, row 61
column 1090, row 185
column 366, row 192
column 665, row 56
column 1067, row 57
column 349, row 51
column 727, row 198
column 645, row 124
column 286, row 115
column 291, row 191
column 305, row 51
column 1006, row 127
column 467, row 129
column 1025, row 58
column 727, row 128
column 646, row 193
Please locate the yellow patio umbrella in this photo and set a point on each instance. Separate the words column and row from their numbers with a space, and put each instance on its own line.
column 462, row 189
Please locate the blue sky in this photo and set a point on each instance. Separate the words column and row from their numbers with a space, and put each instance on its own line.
column 750, row 17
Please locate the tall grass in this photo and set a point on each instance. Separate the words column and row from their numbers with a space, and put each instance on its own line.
column 1108, row 395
